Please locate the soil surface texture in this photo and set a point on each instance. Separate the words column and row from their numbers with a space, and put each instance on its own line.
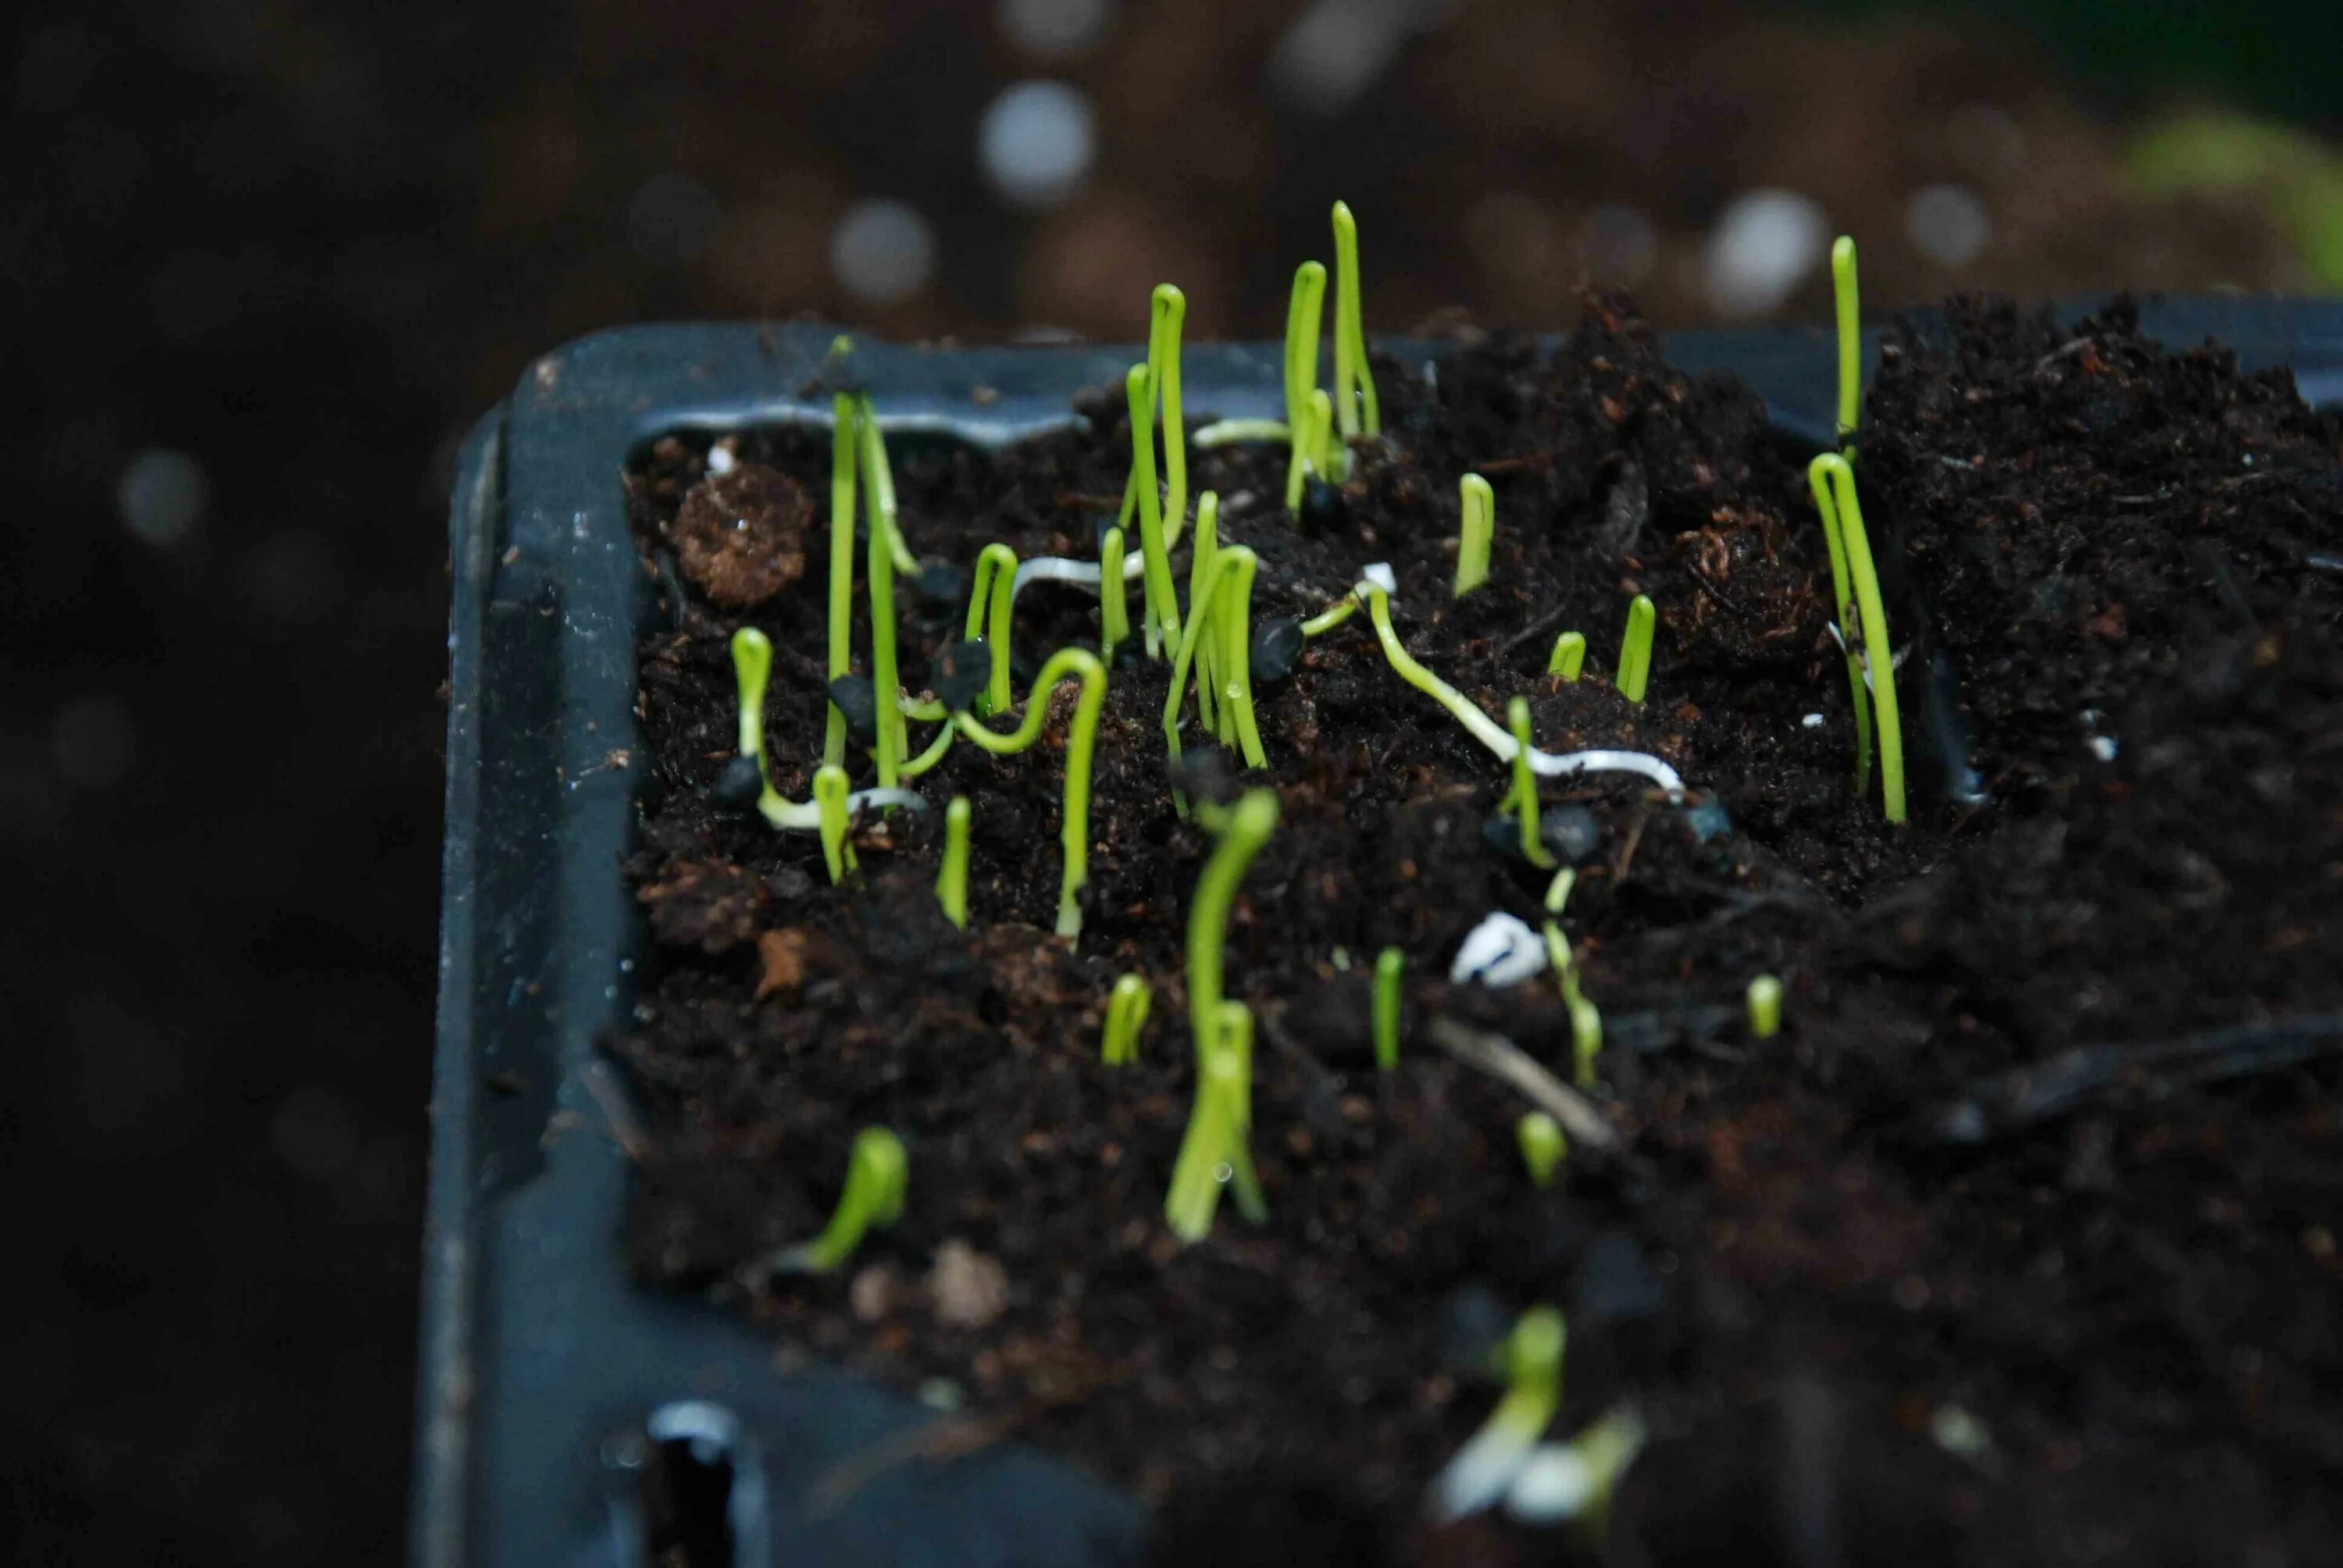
column 2017, row 1243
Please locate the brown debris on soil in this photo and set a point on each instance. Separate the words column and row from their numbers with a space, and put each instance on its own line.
column 740, row 537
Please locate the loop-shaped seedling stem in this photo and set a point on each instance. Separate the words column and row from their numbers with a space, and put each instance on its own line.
column 1082, row 736
column 1216, row 1148
column 1354, row 384
column 992, row 603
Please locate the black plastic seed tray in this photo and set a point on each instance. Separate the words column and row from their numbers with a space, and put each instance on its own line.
column 566, row 1417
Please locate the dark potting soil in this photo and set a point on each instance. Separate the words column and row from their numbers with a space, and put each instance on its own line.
column 1880, row 1294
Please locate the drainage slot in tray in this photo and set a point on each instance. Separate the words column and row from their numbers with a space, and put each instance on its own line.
column 689, row 1491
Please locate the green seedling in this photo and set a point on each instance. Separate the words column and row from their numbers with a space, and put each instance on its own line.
column 1477, row 526
column 1521, row 799
column 879, row 475
column 1114, row 606
column 1542, row 1144
column 1200, row 557
column 1354, row 384
column 844, row 446
column 1585, row 1037
column 1301, row 317
column 879, row 567
column 1850, row 338
column 1314, row 449
column 1229, row 432
column 1391, row 965
column 829, row 799
column 1216, row 1148
column 951, row 878
column 1163, row 604
column 1333, row 616
column 1871, row 616
column 1066, row 664
column 1818, row 480
column 1126, row 1015
column 1636, row 648
column 752, row 669
column 1765, row 1006
column 877, row 1173
column 1557, row 946
column 1531, row 1358
column 1169, row 311
column 1225, row 621
column 989, row 608
column 1569, row 656
column 1241, row 831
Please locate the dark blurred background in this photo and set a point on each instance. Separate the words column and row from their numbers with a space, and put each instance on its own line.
column 264, row 261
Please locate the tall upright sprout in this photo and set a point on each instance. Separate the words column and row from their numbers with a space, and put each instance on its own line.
column 844, row 446
column 991, row 599
column 1162, row 603
column 1879, row 656
column 1082, row 736
column 879, row 566
column 1354, row 384
column 1169, row 311
column 1850, row 338
column 1843, row 608
column 1301, row 317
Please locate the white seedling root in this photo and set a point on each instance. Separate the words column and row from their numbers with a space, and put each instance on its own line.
column 806, row 814
column 1862, row 658
column 1501, row 951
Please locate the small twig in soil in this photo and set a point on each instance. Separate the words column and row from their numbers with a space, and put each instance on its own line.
column 625, row 1127
column 1501, row 1059
column 2009, row 1101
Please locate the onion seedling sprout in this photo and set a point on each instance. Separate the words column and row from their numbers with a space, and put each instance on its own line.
column 1636, row 648
column 1223, row 621
column 951, row 878
column 991, row 604
column 752, row 667
column 877, row 1173
column 1521, row 799
column 1242, row 831
column 1302, row 318
column 1850, row 338
column 1390, row 964
column 1066, row 664
column 1215, row 1149
column 1354, row 384
column 1201, row 557
column 843, row 448
column 1544, row 764
column 1543, row 1145
column 1532, row 1359
column 1477, row 525
column 1585, row 1037
column 1569, row 656
column 1313, row 449
column 1162, row 605
column 1114, row 608
column 1229, row 432
column 880, row 568
column 1879, row 656
column 1169, row 311
column 1818, row 480
column 1126, row 1015
column 1765, row 1006
column 1557, row 946
column 829, row 799
column 1333, row 616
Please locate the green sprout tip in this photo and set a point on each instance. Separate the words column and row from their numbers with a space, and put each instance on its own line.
column 1354, row 383
column 1850, row 336
column 1765, row 1006
column 1114, row 606
column 1302, row 319
column 1543, row 1145
column 1521, row 799
column 1170, row 310
column 830, row 797
column 1478, row 526
column 1636, row 648
column 877, row 1173
column 1878, row 667
column 1569, row 656
column 1585, row 1040
column 752, row 667
column 1390, row 966
column 1126, row 1015
column 951, row 878
column 991, row 605
column 1222, row 622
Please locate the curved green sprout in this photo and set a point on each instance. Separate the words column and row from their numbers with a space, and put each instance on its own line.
column 951, row 876
column 1543, row 1145
column 1315, row 449
column 1229, row 432
column 752, row 667
column 1521, row 799
column 844, row 447
column 1170, row 310
column 876, row 1174
column 1557, row 947
column 1163, row 611
column 1477, row 526
column 1850, row 336
column 1636, row 648
column 1585, row 1038
column 1302, row 318
column 1067, row 663
column 1216, row 1148
column 990, row 606
column 1126, row 1015
column 879, row 474
column 1224, row 622
column 1333, row 616
column 878, row 565
column 1531, row 1358
column 1569, row 656
column 1354, row 384
column 1818, row 480
column 1242, row 830
column 1114, row 606
column 1765, row 1006
column 1879, row 656
column 829, row 799
column 1391, row 965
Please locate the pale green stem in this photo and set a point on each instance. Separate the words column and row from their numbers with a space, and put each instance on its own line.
column 1233, row 660
column 1586, row 1039
column 1330, row 618
column 951, row 879
column 878, row 565
column 878, row 1173
column 1391, row 965
column 843, row 445
column 1636, row 648
column 1170, row 309
column 1067, row 663
column 1163, row 611
column 829, row 796
column 1201, row 557
column 1245, row 830
column 1114, row 608
column 1477, row 526
column 1354, row 383
column 1818, row 480
column 989, row 608
column 1879, row 655
column 1850, row 336
column 1229, row 432
column 1524, row 794
column 1302, row 319
column 1126, row 1015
